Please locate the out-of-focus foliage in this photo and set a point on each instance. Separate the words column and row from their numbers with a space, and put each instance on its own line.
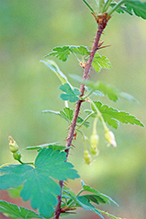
column 29, row 30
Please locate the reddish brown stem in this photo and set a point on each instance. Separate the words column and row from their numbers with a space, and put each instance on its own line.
column 102, row 21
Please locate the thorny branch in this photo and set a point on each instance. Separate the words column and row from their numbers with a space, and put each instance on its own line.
column 102, row 22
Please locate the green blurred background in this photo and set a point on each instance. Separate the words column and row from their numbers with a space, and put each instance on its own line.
column 29, row 30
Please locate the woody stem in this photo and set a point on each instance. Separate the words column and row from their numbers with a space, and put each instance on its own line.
column 102, row 22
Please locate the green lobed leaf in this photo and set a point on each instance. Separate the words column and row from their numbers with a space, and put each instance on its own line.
column 82, row 202
column 70, row 94
column 38, row 184
column 102, row 197
column 62, row 52
column 54, row 67
column 132, row 6
column 136, row 7
column 100, row 62
column 81, row 50
column 17, row 212
column 112, row 116
column 104, row 89
column 67, row 114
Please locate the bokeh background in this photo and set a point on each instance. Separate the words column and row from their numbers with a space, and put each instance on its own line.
column 28, row 31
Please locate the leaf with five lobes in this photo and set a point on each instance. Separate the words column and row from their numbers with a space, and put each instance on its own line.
column 54, row 67
column 17, row 212
column 100, row 62
column 105, row 198
column 62, row 52
column 38, row 185
column 82, row 202
column 70, row 94
column 138, row 7
column 111, row 115
column 67, row 114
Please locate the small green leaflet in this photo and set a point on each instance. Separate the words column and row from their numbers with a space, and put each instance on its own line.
column 80, row 50
column 113, row 116
column 67, row 114
column 70, row 94
column 132, row 6
column 62, row 52
column 103, row 88
column 54, row 67
column 17, row 212
column 38, row 185
column 100, row 62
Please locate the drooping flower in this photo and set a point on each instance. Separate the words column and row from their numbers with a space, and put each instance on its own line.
column 109, row 136
column 87, row 157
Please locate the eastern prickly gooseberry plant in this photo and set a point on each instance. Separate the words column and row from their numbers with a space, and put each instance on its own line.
column 42, row 181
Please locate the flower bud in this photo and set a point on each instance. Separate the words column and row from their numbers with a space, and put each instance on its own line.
column 94, row 139
column 17, row 155
column 109, row 136
column 87, row 157
column 13, row 145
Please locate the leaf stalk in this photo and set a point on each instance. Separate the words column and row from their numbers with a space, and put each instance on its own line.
column 116, row 7
column 91, row 9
